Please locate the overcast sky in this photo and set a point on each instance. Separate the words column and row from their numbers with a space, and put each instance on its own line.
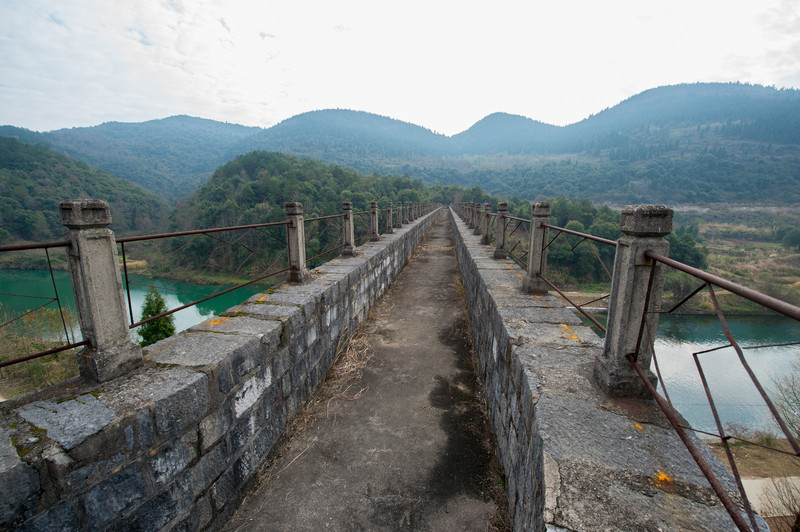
column 441, row 64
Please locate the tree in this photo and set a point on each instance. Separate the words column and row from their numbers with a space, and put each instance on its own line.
column 783, row 496
column 158, row 329
column 792, row 239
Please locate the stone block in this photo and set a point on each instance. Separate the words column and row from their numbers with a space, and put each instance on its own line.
column 243, row 430
column 58, row 518
column 646, row 220
column 290, row 316
column 196, row 519
column 171, row 461
column 70, row 422
column 156, row 513
column 306, row 302
column 92, row 474
column 114, row 497
column 236, row 355
column 208, row 469
column 19, row 483
column 281, row 361
column 242, row 325
column 181, row 403
column 251, row 391
column 144, row 423
column 214, row 426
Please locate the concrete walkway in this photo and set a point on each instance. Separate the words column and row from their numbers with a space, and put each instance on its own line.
column 398, row 442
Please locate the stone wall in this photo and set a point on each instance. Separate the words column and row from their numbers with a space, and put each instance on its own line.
column 176, row 443
column 573, row 459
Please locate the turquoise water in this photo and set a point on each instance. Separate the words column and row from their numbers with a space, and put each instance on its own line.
column 38, row 283
column 734, row 393
column 679, row 336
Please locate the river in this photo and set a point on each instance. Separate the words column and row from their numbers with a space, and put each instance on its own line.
column 678, row 337
column 176, row 294
column 735, row 396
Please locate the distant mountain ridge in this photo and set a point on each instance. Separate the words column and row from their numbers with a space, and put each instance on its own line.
column 170, row 157
column 682, row 143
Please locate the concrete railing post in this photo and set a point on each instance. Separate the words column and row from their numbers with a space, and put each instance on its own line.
column 296, row 242
column 349, row 236
column 645, row 227
column 487, row 224
column 406, row 208
column 500, row 251
column 399, row 222
column 389, row 228
column 97, row 285
column 373, row 221
column 479, row 214
column 537, row 254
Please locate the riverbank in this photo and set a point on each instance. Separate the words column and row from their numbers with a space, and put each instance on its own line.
column 700, row 305
column 771, row 479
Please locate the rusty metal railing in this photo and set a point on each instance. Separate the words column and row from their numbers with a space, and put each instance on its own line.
column 329, row 236
column 561, row 232
column 220, row 258
column 41, row 302
column 710, row 283
column 361, row 227
column 518, row 239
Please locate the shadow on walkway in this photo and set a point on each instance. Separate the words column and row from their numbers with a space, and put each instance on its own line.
column 397, row 438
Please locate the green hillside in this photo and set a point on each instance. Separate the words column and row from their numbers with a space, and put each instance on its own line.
column 168, row 157
column 691, row 143
column 34, row 180
column 254, row 187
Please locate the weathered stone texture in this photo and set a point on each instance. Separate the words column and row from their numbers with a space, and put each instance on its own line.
column 573, row 458
column 176, row 443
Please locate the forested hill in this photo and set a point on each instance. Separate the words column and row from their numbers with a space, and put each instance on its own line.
column 254, row 187
column 692, row 143
column 697, row 143
column 170, row 157
column 34, row 180
column 347, row 137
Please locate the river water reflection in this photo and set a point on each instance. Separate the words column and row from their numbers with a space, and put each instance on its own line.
column 735, row 396
column 176, row 294
column 678, row 337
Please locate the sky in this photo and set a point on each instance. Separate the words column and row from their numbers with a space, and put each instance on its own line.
column 440, row 64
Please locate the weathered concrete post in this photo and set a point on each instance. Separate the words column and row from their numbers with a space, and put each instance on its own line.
column 537, row 255
column 399, row 222
column 487, row 224
column 97, row 285
column 406, row 208
column 389, row 228
column 412, row 211
column 645, row 227
column 479, row 215
column 500, row 228
column 373, row 221
column 296, row 240
column 349, row 237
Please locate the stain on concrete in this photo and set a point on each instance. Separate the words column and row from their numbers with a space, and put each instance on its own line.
column 414, row 451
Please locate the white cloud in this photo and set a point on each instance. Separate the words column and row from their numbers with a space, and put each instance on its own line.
column 443, row 64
